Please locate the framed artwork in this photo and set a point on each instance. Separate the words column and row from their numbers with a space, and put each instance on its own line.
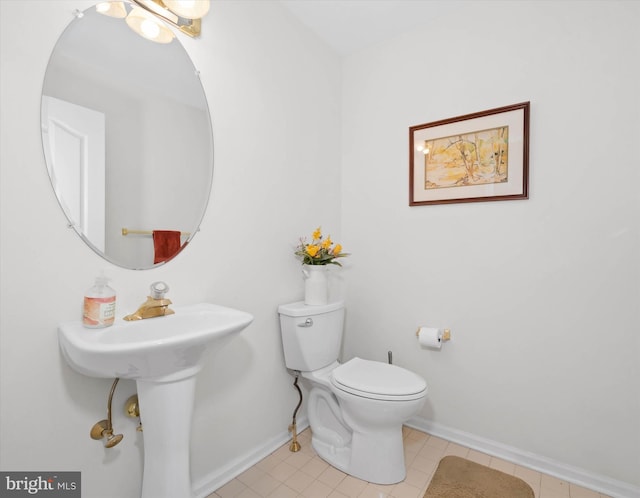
column 477, row 157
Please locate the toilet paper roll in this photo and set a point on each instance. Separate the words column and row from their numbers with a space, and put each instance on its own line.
column 430, row 337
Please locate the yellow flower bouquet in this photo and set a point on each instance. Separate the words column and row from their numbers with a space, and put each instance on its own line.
column 321, row 250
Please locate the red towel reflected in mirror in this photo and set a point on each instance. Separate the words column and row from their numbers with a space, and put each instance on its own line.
column 166, row 244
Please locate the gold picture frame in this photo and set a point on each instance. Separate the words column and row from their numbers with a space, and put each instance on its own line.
column 477, row 157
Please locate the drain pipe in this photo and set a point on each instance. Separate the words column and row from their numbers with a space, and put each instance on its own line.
column 104, row 428
column 295, row 445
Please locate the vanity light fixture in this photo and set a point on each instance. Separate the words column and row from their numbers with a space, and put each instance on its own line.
column 183, row 14
column 147, row 15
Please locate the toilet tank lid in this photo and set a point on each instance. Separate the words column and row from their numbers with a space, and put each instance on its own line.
column 301, row 309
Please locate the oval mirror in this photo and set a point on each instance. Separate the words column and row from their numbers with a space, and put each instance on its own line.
column 127, row 140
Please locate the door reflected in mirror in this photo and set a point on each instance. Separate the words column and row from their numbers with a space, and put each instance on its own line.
column 127, row 139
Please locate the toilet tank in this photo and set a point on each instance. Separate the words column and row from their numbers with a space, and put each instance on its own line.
column 311, row 335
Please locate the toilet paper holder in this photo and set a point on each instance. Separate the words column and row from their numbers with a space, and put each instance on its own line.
column 445, row 336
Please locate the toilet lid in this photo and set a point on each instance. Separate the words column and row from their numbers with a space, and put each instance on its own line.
column 373, row 379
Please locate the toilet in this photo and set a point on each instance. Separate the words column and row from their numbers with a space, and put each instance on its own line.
column 356, row 409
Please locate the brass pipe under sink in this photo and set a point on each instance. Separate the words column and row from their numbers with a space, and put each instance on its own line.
column 104, row 428
column 132, row 409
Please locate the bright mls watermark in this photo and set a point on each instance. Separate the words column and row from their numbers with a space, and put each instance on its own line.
column 40, row 484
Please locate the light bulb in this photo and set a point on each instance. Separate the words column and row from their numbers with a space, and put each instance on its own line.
column 188, row 9
column 112, row 9
column 147, row 26
column 150, row 29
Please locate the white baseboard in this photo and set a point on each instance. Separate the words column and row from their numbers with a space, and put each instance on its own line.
column 206, row 485
column 581, row 477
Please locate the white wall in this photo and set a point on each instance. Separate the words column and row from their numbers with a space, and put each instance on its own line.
column 544, row 356
column 274, row 94
column 541, row 294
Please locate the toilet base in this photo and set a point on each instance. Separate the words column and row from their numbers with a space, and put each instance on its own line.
column 379, row 457
column 336, row 457
column 376, row 458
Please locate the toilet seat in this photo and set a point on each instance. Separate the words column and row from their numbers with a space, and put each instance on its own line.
column 376, row 380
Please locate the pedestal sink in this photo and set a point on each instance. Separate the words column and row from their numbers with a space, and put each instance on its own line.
column 163, row 355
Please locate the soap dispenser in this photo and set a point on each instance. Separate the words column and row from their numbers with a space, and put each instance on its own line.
column 99, row 305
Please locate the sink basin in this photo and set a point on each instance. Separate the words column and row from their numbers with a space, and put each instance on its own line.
column 163, row 355
column 154, row 347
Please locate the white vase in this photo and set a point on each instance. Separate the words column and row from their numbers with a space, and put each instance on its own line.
column 316, row 284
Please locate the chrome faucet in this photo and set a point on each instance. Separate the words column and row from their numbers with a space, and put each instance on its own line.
column 155, row 305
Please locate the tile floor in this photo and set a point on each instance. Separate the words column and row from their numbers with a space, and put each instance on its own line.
column 284, row 474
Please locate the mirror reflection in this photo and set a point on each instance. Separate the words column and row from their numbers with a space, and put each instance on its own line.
column 127, row 140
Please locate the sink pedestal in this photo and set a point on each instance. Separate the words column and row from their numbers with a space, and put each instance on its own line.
column 166, row 409
column 163, row 355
